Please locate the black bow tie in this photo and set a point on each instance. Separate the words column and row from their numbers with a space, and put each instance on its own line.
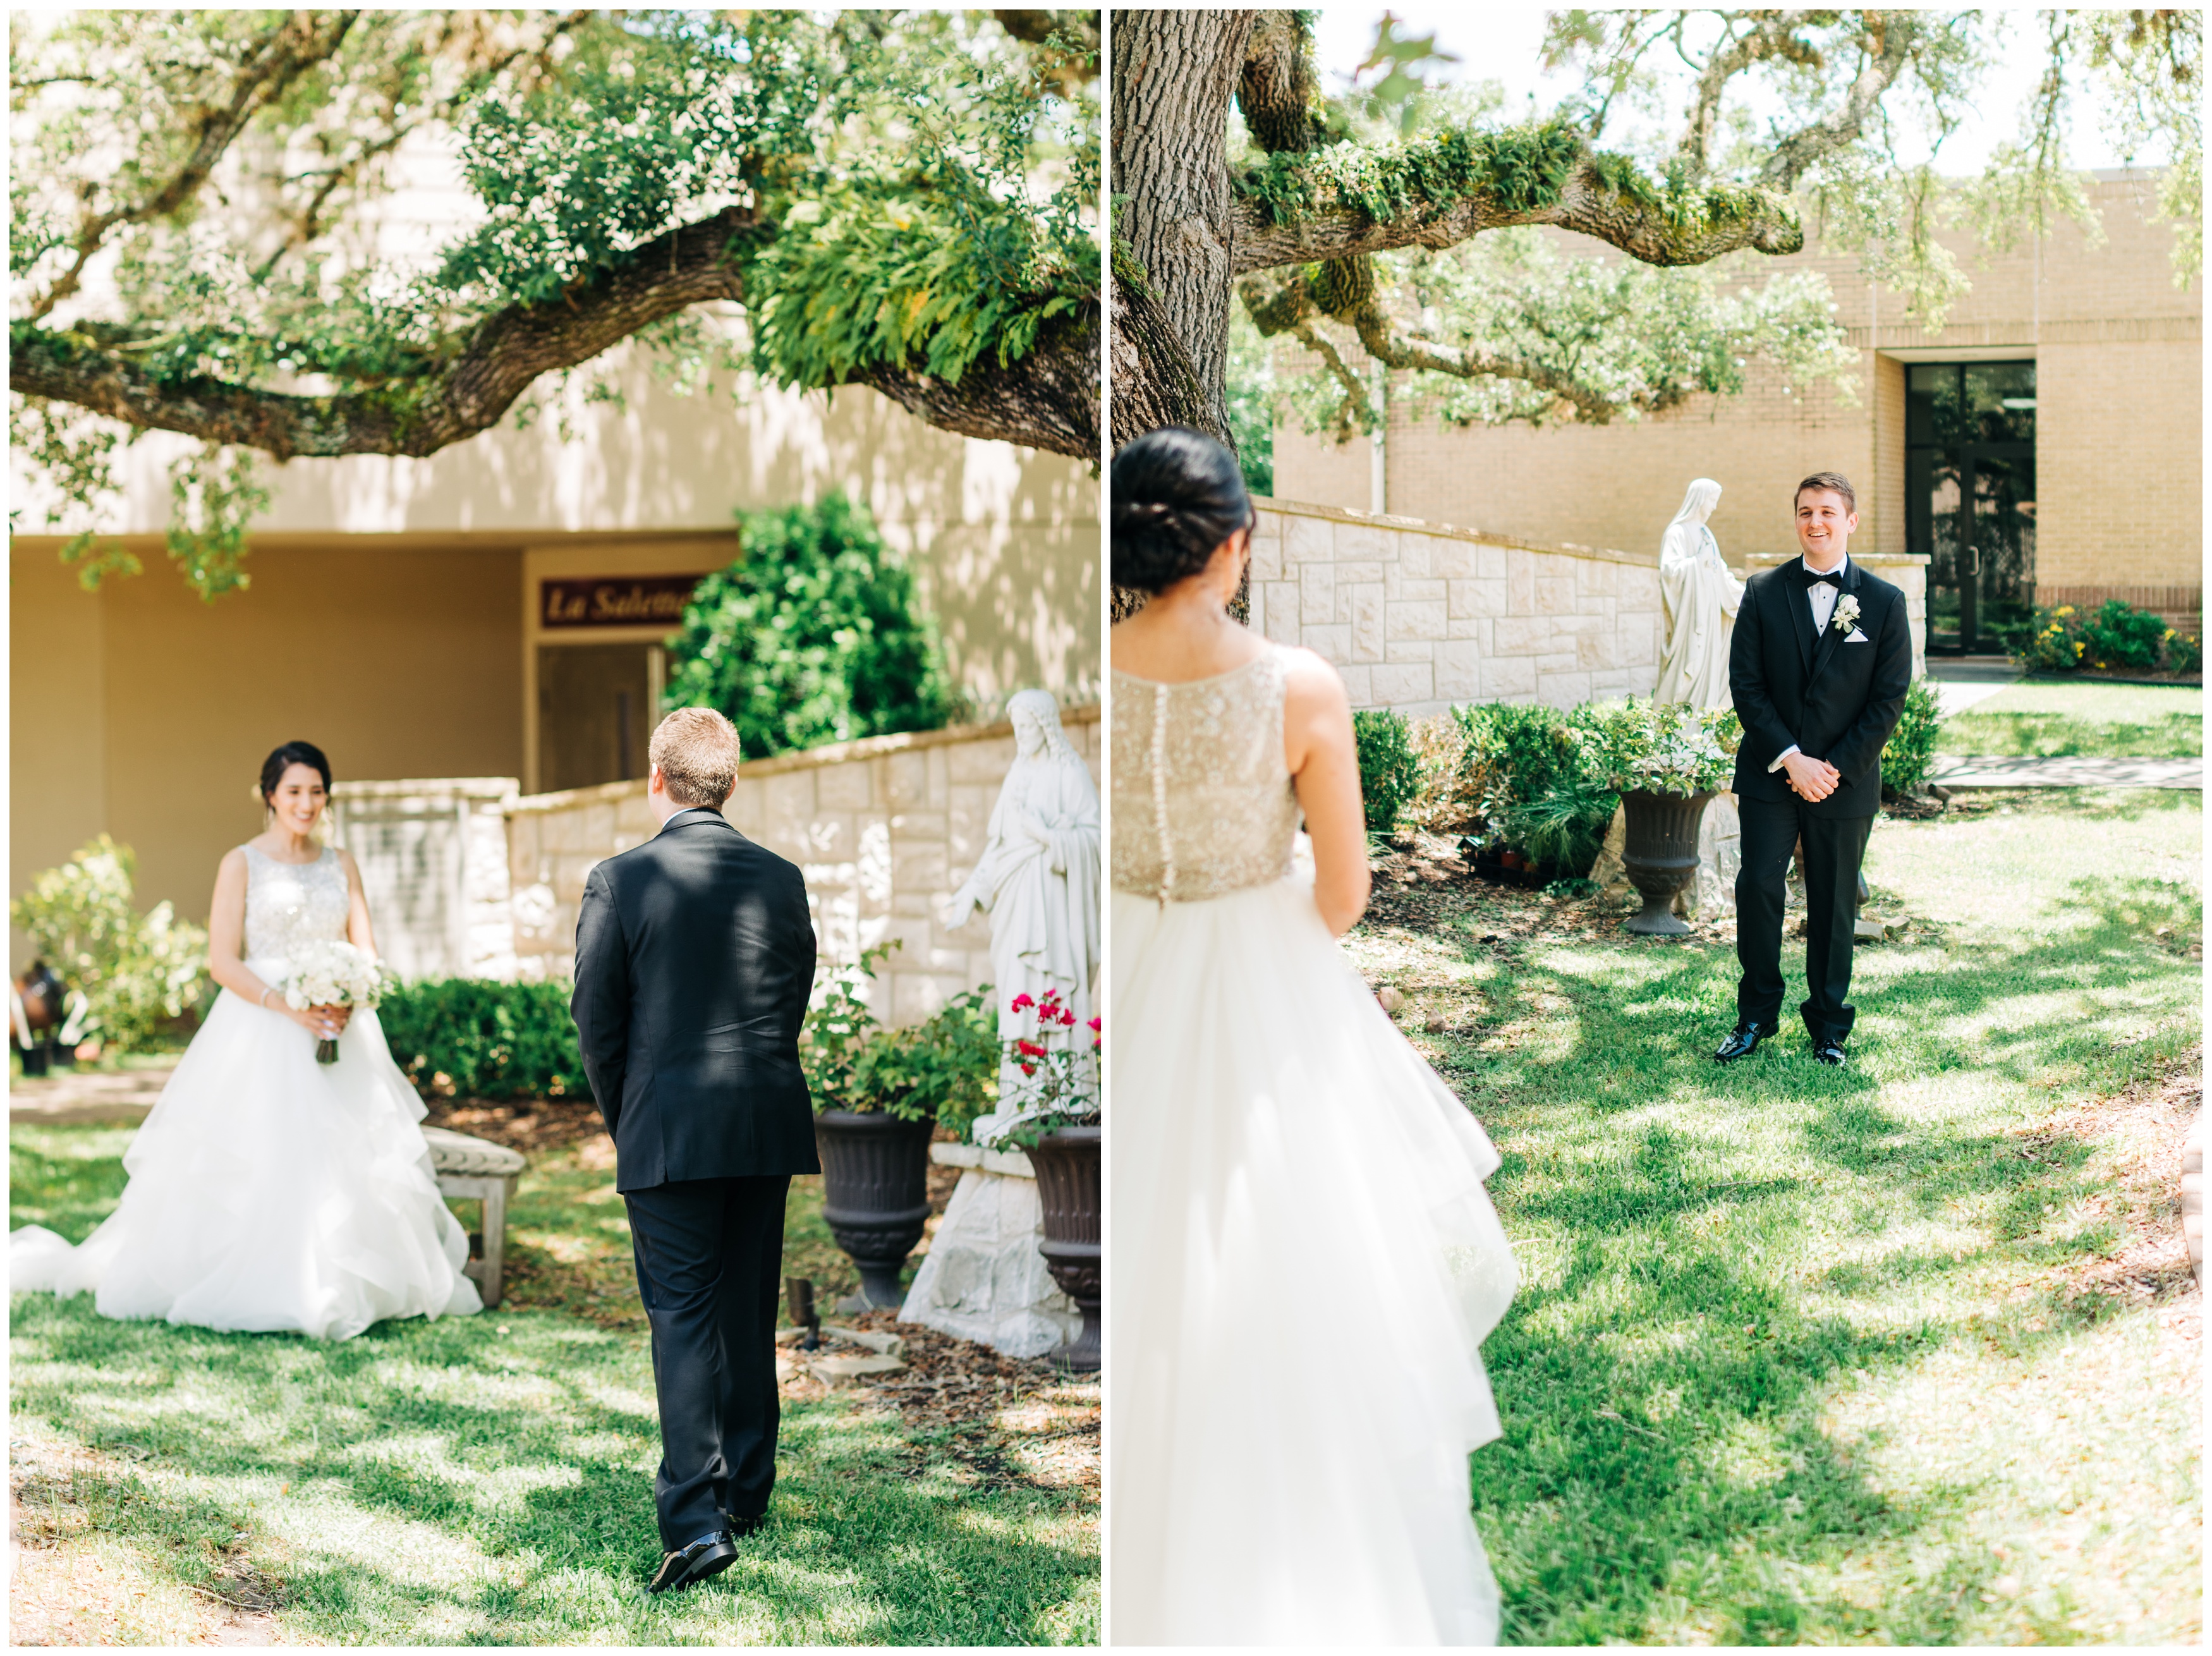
column 1834, row 577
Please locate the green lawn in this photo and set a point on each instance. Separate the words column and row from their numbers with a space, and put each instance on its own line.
column 488, row 1480
column 1901, row 1354
column 2050, row 720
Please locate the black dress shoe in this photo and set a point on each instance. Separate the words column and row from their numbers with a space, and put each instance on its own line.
column 710, row 1554
column 1829, row 1052
column 1744, row 1041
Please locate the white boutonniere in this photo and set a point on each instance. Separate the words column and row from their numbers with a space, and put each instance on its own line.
column 1847, row 613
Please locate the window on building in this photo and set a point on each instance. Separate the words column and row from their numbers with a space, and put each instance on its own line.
column 1969, row 496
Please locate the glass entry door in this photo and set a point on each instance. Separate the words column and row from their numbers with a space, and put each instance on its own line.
column 1969, row 496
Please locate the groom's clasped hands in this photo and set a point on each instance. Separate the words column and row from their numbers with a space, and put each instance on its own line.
column 1811, row 779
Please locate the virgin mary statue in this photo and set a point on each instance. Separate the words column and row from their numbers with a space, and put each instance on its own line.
column 1699, row 597
column 1039, row 875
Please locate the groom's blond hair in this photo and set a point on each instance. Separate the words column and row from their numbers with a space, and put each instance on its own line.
column 696, row 749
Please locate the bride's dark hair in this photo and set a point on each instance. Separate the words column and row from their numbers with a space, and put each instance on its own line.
column 1177, row 496
column 291, row 753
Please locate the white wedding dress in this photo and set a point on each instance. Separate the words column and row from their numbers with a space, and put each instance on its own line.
column 268, row 1191
column 1305, row 1260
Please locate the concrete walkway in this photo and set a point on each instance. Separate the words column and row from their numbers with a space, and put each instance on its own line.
column 1962, row 681
column 86, row 1095
column 1956, row 771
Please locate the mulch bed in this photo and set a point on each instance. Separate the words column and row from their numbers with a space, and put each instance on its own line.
column 524, row 1124
column 1008, row 1420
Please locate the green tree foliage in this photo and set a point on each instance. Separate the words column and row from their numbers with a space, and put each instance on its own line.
column 814, row 635
column 902, row 199
column 1487, row 322
column 138, row 970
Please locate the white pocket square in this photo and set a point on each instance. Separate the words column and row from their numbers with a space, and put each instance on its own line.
column 1855, row 637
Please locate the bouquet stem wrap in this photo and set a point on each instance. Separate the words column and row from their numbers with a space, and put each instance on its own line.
column 331, row 974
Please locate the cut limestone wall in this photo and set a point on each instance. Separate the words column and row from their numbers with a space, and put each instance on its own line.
column 884, row 829
column 1418, row 615
column 434, row 863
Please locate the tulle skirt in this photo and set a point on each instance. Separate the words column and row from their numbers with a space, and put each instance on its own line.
column 1304, row 1263
column 271, row 1192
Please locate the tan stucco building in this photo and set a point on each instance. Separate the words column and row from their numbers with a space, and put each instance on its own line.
column 2081, row 371
column 398, row 617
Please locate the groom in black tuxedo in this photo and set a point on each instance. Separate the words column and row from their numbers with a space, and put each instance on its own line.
column 694, row 954
column 1819, row 667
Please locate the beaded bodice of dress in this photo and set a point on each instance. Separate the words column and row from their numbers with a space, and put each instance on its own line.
column 1202, row 799
column 288, row 903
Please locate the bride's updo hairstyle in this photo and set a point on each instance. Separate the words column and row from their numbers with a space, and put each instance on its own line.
column 274, row 767
column 1177, row 496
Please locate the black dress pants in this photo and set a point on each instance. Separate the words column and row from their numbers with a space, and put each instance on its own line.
column 1834, row 848
column 709, row 1257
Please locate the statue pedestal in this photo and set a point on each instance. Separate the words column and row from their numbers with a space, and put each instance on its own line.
column 1720, row 854
column 983, row 1278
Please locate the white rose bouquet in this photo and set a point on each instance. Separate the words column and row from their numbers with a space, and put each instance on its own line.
column 331, row 975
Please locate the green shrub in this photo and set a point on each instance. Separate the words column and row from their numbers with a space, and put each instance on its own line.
column 1533, row 783
column 2184, row 653
column 2121, row 635
column 946, row 1068
column 1446, row 802
column 2052, row 642
column 815, row 634
column 1911, row 749
column 1390, row 769
column 138, row 970
column 473, row 1038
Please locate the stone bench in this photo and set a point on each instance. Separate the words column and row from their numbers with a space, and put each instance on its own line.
column 476, row 1170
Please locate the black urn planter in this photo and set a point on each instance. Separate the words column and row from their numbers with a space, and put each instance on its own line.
column 1661, row 856
column 875, row 1198
column 1067, row 1175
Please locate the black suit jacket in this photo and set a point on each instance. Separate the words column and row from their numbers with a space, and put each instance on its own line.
column 695, row 956
column 1830, row 698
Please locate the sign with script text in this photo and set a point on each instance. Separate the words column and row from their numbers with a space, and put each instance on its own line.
column 652, row 601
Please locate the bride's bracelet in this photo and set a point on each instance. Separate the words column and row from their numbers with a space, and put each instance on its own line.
column 264, row 1001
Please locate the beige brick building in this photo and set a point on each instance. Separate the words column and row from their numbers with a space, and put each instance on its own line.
column 2105, row 486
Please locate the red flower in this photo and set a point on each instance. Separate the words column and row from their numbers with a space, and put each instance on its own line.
column 1094, row 1023
column 1028, row 1069
column 1030, row 1049
column 1022, row 1002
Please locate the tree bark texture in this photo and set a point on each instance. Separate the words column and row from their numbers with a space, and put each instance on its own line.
column 1175, row 73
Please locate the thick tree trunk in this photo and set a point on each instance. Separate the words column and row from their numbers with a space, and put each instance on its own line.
column 1174, row 75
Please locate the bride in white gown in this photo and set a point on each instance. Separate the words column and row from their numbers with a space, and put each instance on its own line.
column 268, row 1191
column 1305, row 1258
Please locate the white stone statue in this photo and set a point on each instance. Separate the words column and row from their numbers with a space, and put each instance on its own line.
column 983, row 1278
column 1699, row 597
column 1039, row 877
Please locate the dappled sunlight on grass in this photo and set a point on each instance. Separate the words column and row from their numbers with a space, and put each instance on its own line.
column 1737, row 1282
column 488, row 1479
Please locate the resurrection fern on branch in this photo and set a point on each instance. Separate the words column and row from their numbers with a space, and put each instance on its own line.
column 196, row 195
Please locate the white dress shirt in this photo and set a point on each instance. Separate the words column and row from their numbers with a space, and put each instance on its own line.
column 1823, row 598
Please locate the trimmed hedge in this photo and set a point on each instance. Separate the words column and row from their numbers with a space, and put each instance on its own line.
column 473, row 1038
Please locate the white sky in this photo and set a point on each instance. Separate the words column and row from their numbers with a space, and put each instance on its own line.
column 1501, row 43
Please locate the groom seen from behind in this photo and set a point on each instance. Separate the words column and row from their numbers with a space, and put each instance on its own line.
column 1819, row 667
column 694, row 954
